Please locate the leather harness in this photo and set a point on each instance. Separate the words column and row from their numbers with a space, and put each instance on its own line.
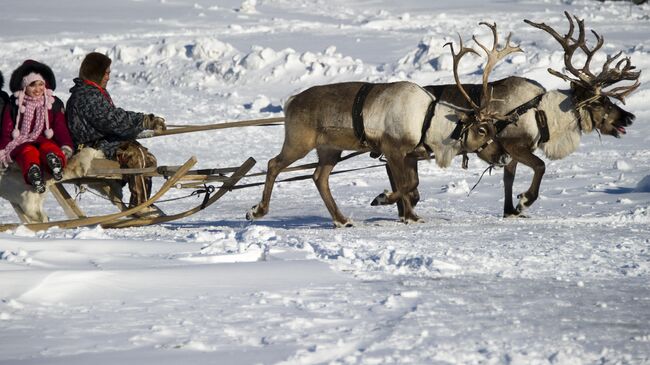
column 460, row 130
column 357, row 113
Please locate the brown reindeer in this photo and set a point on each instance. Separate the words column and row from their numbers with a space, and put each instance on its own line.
column 585, row 107
column 567, row 113
column 395, row 116
column 502, row 100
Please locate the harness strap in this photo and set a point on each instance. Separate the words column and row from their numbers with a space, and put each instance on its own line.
column 456, row 134
column 513, row 115
column 357, row 113
column 484, row 145
column 431, row 110
column 542, row 125
column 523, row 108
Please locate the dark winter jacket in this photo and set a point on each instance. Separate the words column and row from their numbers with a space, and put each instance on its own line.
column 55, row 115
column 95, row 122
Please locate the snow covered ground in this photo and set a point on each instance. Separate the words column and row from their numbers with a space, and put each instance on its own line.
column 567, row 286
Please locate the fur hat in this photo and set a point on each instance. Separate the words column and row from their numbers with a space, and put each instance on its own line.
column 28, row 67
column 94, row 66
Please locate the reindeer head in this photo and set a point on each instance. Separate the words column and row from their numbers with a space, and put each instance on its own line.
column 478, row 123
column 476, row 132
column 588, row 89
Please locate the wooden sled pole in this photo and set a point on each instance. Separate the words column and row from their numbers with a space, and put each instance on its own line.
column 198, row 128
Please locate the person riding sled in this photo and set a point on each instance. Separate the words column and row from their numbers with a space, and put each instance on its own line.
column 34, row 132
column 97, row 123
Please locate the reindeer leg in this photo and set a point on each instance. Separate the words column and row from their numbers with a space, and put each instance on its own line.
column 404, row 173
column 414, row 195
column 410, row 189
column 525, row 156
column 287, row 156
column 327, row 159
column 509, row 172
column 527, row 198
column 381, row 199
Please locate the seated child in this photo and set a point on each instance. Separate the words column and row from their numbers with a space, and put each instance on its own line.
column 34, row 131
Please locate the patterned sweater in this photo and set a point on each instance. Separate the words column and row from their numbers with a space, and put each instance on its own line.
column 95, row 122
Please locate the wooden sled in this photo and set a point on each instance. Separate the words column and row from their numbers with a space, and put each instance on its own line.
column 102, row 172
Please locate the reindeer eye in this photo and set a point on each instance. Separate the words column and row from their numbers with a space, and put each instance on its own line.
column 482, row 131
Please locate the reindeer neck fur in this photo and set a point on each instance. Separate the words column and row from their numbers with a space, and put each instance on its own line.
column 563, row 124
column 438, row 135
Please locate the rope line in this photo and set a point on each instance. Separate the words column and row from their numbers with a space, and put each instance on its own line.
column 491, row 167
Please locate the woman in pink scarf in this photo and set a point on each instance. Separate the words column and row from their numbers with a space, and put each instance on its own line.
column 34, row 131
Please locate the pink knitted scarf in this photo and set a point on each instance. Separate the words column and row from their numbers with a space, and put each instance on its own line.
column 31, row 110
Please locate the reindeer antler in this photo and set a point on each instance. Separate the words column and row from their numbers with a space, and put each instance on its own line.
column 584, row 77
column 494, row 55
column 456, row 57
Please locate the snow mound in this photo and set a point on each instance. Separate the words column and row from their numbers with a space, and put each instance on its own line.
column 430, row 54
column 230, row 247
column 91, row 234
column 622, row 165
column 258, row 235
column 639, row 215
column 19, row 256
column 207, row 62
column 644, row 185
column 248, row 7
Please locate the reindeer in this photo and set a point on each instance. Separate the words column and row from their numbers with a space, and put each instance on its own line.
column 568, row 113
column 401, row 121
column 585, row 107
column 508, row 98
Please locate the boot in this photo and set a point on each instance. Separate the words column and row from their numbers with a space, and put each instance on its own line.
column 36, row 179
column 55, row 165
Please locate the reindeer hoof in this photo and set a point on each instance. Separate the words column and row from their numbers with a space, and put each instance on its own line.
column 253, row 213
column 346, row 224
column 413, row 219
column 381, row 199
column 515, row 215
column 524, row 203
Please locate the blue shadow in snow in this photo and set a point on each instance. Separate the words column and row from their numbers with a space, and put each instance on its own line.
column 267, row 109
column 617, row 191
column 284, row 223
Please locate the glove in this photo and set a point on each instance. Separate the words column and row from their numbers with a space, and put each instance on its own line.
column 68, row 152
column 153, row 122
